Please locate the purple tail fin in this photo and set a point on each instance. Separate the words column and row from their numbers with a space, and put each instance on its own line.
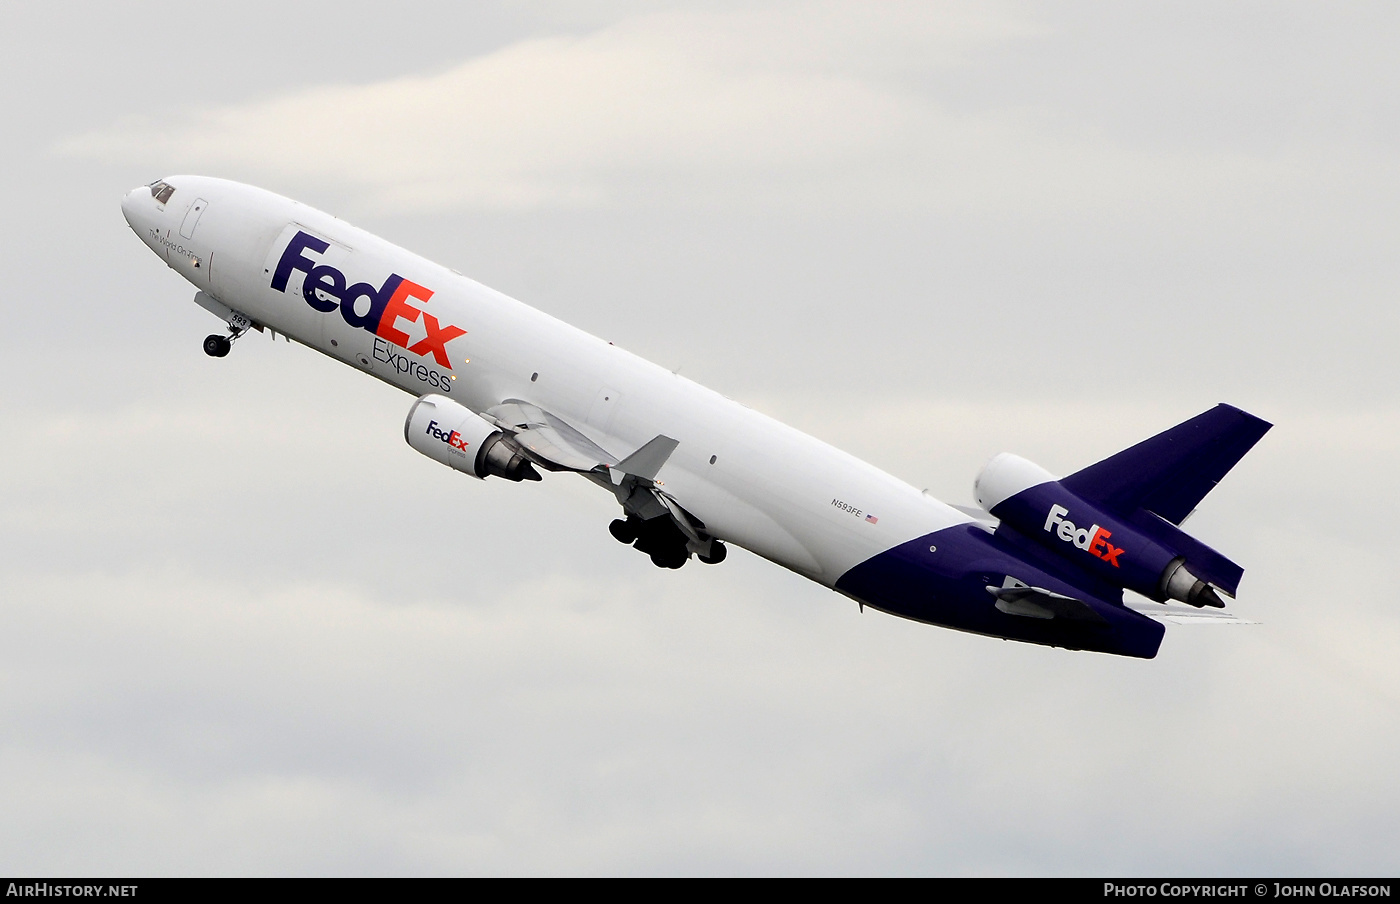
column 1170, row 473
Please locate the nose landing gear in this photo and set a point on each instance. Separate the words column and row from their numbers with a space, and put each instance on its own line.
column 217, row 346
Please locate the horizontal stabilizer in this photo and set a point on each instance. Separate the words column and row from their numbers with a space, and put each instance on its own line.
column 1018, row 598
column 1185, row 615
column 1172, row 472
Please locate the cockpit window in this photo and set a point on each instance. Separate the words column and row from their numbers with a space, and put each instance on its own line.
column 162, row 191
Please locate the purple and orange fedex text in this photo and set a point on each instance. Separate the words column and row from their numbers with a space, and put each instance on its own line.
column 388, row 303
column 452, row 438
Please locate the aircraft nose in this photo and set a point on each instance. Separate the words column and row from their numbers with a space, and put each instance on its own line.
column 130, row 205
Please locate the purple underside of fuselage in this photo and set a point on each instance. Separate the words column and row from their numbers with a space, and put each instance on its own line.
column 942, row 578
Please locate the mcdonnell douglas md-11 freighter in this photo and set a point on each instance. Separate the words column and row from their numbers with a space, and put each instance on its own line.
column 503, row 390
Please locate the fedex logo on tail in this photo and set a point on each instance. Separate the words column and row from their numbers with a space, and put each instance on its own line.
column 388, row 303
column 1092, row 539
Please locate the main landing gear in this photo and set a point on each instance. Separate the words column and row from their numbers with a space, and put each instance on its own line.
column 663, row 541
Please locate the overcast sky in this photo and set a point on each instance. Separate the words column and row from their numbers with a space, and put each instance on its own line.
column 245, row 629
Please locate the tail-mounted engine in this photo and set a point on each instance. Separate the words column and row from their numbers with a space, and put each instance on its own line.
column 1117, row 519
column 1143, row 558
column 448, row 433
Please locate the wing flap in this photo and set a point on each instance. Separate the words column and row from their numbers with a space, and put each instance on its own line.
column 549, row 440
column 646, row 462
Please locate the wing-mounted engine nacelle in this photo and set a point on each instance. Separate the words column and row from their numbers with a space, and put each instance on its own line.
column 448, row 433
column 1029, row 500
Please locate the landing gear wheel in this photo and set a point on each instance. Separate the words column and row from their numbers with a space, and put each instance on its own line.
column 217, row 346
column 623, row 531
column 717, row 553
column 669, row 558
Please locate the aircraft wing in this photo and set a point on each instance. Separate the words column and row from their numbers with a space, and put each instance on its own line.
column 556, row 445
column 548, row 440
column 1017, row 598
column 980, row 518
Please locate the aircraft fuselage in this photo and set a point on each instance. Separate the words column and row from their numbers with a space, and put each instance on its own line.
column 748, row 479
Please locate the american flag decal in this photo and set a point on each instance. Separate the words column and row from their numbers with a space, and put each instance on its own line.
column 872, row 519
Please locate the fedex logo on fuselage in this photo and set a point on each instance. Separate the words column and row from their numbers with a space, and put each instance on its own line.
column 451, row 437
column 387, row 304
column 1092, row 539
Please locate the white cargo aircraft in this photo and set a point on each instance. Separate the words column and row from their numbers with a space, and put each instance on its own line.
column 503, row 390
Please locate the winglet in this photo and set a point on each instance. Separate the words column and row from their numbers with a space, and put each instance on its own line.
column 646, row 462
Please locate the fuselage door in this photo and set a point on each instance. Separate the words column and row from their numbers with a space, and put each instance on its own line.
column 192, row 218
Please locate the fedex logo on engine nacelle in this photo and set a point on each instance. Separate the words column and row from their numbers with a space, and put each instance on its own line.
column 388, row 304
column 451, row 437
column 1092, row 539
